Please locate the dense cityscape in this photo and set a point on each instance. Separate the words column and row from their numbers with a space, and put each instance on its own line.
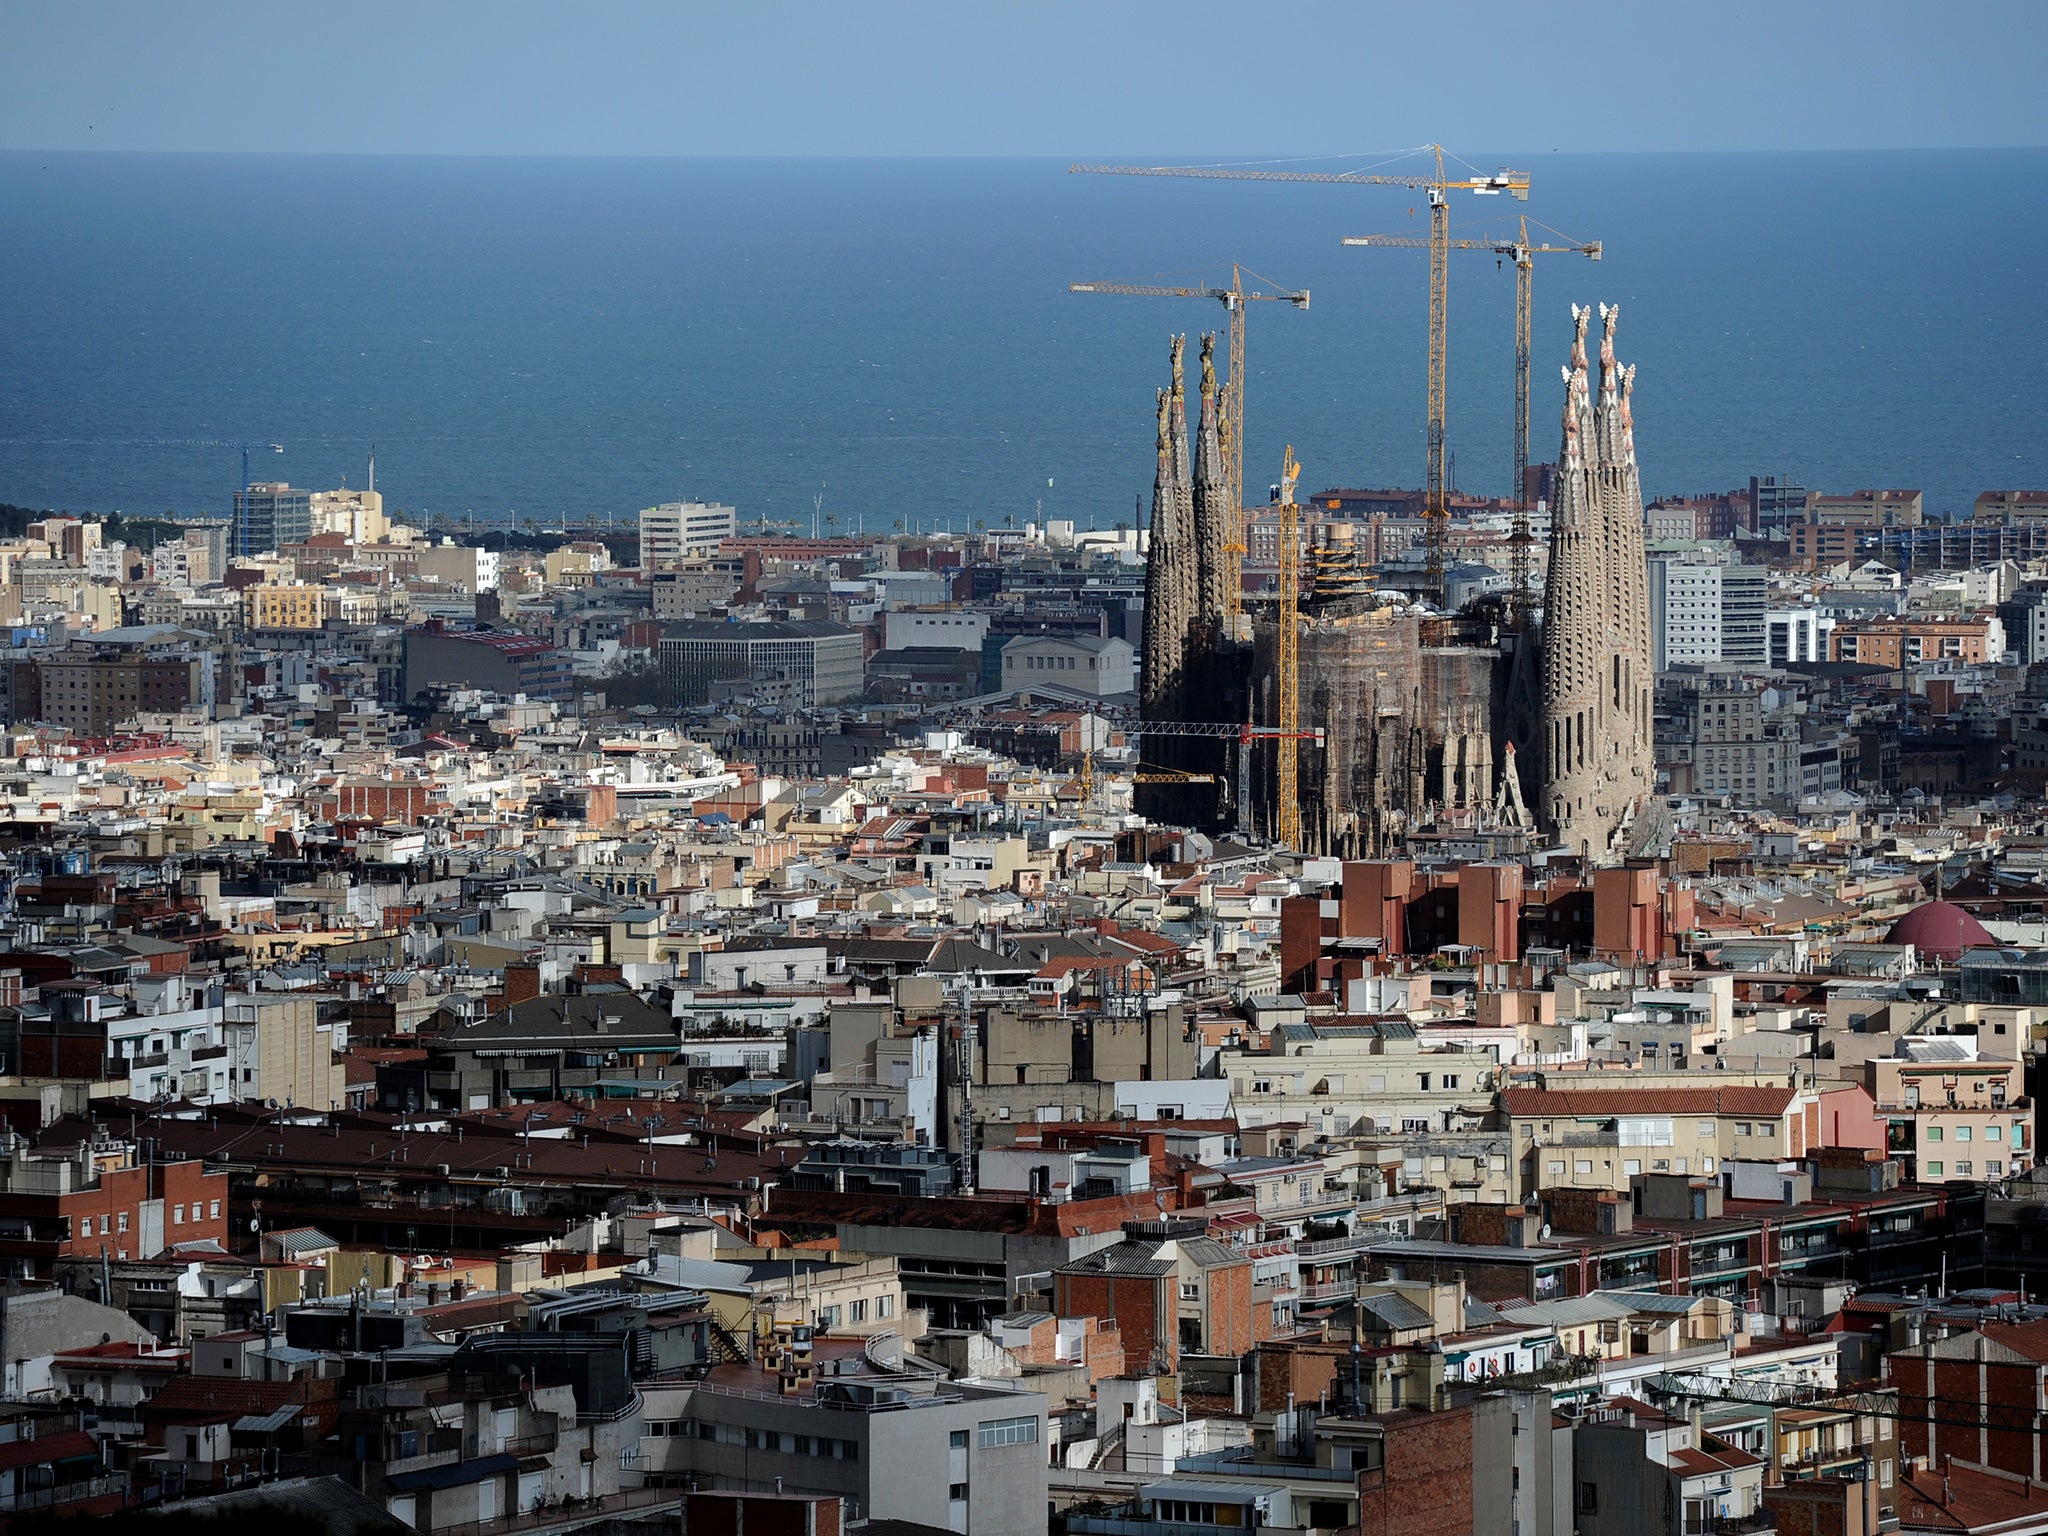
column 679, row 1022
column 845, row 899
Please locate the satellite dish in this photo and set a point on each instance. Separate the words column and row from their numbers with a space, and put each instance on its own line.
column 255, row 1223
column 1545, row 1233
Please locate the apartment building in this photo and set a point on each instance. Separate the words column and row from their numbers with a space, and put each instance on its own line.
column 102, row 1199
column 1602, row 1138
column 1952, row 1114
column 816, row 1419
column 1707, row 614
column 1908, row 641
column 680, row 530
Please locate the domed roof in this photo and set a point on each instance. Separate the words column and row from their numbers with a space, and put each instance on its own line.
column 1941, row 931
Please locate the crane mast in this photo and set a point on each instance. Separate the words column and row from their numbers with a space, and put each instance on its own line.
column 1519, row 538
column 1436, row 511
column 1522, row 253
column 1436, row 526
column 1231, row 428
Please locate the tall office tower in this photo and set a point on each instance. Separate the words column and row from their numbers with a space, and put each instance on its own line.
column 269, row 514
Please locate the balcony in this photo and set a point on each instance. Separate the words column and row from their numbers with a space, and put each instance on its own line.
column 1731, row 1525
column 1335, row 1290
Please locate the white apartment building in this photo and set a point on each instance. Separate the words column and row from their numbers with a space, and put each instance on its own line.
column 1798, row 634
column 1702, row 614
column 678, row 530
column 945, row 629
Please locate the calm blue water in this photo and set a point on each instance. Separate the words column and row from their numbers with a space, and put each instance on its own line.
column 588, row 337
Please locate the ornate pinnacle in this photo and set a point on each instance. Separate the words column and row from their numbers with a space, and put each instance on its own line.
column 1628, row 420
column 1208, row 365
column 1165, row 431
column 1179, row 347
column 1580, row 317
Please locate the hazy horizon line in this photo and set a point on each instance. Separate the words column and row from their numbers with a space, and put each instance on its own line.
column 1248, row 159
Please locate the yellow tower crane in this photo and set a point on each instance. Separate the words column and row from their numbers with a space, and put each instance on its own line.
column 1287, row 673
column 1438, row 187
column 1234, row 298
column 1523, row 254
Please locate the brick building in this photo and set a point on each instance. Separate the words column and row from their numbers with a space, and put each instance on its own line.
column 61, row 1204
column 1170, row 1290
column 1978, row 1398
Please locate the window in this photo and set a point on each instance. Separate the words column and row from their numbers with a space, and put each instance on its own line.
column 121, row 1221
column 1994, row 1133
column 85, row 1229
column 1993, row 1168
column 1000, row 1432
column 177, row 1215
column 1425, row 1082
column 858, row 1311
column 1962, row 1170
column 885, row 1306
column 1934, row 1133
column 1450, row 1079
column 213, row 1210
column 1934, row 1170
column 1742, row 1128
column 958, row 1440
column 1583, row 1166
column 1589, row 1498
column 1962, row 1133
column 1556, row 1167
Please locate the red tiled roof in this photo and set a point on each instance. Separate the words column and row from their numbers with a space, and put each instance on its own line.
column 70, row 1445
column 2029, row 1339
column 1734, row 1099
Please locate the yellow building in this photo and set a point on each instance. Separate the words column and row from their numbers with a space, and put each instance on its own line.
column 297, row 606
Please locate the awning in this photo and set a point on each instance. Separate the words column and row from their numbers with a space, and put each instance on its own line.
column 454, row 1475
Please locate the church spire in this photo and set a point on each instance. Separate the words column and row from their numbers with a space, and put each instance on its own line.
column 1212, row 501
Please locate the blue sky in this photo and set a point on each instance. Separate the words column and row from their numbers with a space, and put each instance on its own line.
column 1106, row 77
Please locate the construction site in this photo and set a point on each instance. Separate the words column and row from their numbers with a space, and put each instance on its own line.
column 1344, row 720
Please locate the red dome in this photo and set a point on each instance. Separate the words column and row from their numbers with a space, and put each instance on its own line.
column 1941, row 931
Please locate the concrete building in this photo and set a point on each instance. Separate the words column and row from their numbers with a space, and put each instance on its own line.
column 1740, row 750
column 1598, row 671
column 951, row 1456
column 268, row 514
column 1801, row 635
column 798, row 663
column 1867, row 509
column 1642, row 1473
column 92, row 690
column 1685, row 613
column 951, row 629
column 1705, row 614
column 680, row 530
column 1085, row 664
column 505, row 663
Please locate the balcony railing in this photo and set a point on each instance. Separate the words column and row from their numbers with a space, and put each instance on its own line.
column 1335, row 1290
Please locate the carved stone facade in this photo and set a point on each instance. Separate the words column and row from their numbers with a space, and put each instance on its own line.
column 1598, row 763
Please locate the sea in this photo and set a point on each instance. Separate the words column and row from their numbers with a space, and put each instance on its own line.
column 858, row 344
